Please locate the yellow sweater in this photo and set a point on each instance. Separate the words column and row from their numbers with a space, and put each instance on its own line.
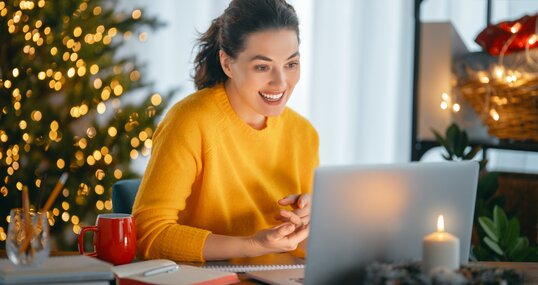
column 209, row 171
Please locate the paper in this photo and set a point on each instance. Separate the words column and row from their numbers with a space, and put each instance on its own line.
column 132, row 274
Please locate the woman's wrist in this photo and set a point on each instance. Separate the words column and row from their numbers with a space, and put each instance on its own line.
column 252, row 247
column 219, row 247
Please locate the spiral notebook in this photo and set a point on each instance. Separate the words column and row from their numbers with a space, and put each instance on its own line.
column 260, row 263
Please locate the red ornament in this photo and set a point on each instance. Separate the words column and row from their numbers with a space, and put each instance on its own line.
column 515, row 34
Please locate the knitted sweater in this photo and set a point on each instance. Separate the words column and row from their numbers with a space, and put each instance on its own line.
column 209, row 171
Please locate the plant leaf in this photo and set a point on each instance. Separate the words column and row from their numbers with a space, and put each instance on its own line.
column 460, row 144
column 444, row 143
column 472, row 153
column 501, row 221
column 512, row 232
column 518, row 250
column 493, row 246
column 490, row 228
column 451, row 137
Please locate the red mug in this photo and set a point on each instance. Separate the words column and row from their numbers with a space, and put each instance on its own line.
column 114, row 239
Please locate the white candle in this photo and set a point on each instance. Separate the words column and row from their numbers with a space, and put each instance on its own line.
column 440, row 249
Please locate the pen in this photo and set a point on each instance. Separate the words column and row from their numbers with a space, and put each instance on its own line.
column 159, row 270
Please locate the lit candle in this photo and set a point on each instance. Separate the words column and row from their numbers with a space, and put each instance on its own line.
column 440, row 249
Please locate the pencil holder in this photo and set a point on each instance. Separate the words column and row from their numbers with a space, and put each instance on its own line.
column 28, row 242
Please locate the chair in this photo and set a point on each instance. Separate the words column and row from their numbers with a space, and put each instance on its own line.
column 123, row 195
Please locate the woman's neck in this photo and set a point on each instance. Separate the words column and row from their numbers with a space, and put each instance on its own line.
column 245, row 112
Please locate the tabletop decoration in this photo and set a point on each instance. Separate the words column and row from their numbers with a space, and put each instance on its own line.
column 411, row 273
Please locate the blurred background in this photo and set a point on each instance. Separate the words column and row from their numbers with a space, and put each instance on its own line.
column 357, row 88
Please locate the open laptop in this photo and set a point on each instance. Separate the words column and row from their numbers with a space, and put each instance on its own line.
column 362, row 214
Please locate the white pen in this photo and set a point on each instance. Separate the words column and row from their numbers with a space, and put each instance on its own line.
column 159, row 270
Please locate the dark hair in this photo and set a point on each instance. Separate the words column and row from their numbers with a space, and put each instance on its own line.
column 229, row 31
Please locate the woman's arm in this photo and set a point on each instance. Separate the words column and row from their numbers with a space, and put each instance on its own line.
column 282, row 238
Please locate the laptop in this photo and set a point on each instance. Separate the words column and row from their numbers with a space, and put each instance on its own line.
column 361, row 214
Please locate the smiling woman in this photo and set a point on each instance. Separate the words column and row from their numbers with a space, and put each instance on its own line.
column 263, row 75
column 232, row 167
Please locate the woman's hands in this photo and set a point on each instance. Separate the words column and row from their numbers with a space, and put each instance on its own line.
column 293, row 230
column 281, row 238
column 301, row 204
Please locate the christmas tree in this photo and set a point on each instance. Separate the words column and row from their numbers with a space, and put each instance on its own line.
column 63, row 86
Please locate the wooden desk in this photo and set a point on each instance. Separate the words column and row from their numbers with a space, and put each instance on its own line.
column 529, row 269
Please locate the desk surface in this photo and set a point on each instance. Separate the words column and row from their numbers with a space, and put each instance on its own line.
column 529, row 269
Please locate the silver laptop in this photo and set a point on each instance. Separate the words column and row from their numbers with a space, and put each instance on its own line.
column 362, row 214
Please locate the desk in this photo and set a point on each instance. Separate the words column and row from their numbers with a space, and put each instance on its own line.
column 529, row 269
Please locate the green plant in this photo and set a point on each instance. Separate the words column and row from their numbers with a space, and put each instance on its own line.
column 456, row 144
column 498, row 238
column 502, row 240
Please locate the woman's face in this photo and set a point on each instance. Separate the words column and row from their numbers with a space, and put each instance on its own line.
column 262, row 77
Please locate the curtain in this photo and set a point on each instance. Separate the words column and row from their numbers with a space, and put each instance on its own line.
column 357, row 57
column 360, row 99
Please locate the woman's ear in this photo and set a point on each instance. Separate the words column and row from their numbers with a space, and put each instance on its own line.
column 225, row 61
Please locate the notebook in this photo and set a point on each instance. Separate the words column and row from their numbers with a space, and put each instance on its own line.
column 362, row 214
column 58, row 269
column 133, row 274
column 276, row 261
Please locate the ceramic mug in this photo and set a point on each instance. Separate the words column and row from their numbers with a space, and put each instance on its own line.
column 114, row 239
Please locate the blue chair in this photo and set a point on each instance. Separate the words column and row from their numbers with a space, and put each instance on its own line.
column 123, row 195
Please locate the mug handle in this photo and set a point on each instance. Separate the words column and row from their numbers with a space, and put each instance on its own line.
column 81, row 240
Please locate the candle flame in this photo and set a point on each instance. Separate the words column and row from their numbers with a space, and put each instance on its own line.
column 440, row 224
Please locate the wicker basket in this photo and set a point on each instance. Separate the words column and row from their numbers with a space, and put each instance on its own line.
column 509, row 110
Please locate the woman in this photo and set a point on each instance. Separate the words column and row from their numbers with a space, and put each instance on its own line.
column 231, row 166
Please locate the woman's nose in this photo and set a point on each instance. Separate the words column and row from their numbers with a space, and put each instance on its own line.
column 278, row 78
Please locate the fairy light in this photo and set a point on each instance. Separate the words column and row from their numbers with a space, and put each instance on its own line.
column 63, row 47
column 94, row 69
column 65, row 216
column 135, row 142
column 137, row 13
column 143, row 37
column 533, row 39
column 515, row 28
column 60, row 163
column 108, row 204
column 493, row 113
column 99, row 190
column 148, row 143
column 498, row 71
column 156, row 99
column 134, row 154
column 108, row 159
column 101, row 108
column 118, row 174
column 134, row 75
column 143, row 135
column 105, row 94
column 118, row 90
column 112, row 131
column 97, row 155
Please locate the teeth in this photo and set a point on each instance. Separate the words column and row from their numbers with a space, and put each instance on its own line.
column 272, row 97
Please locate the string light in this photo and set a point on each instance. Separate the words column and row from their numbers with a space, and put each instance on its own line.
column 493, row 113
column 64, row 50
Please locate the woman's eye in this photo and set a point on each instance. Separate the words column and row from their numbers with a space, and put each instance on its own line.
column 261, row 67
column 292, row 65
